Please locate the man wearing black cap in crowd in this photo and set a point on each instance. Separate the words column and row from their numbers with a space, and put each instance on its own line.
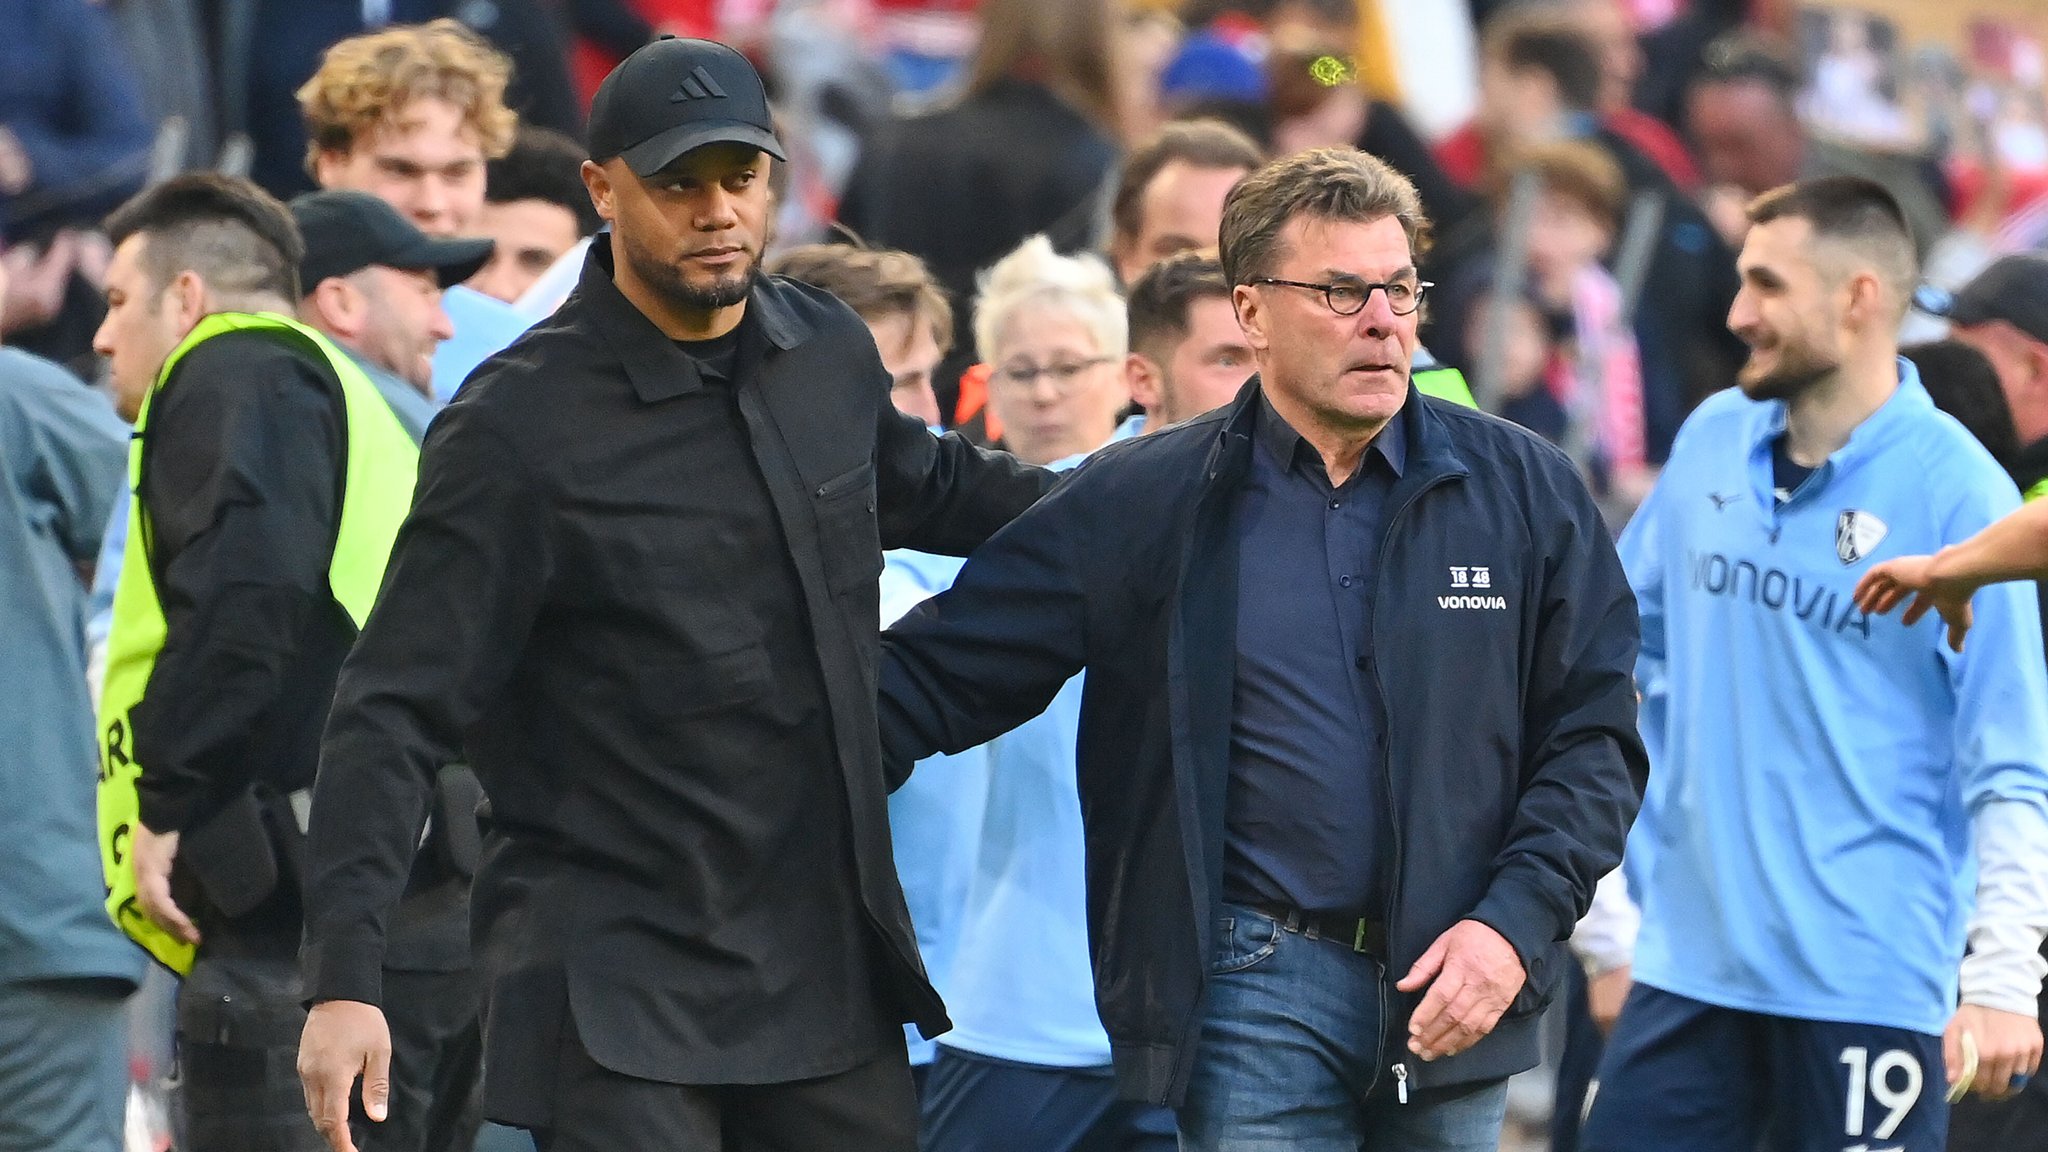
column 638, row 588
column 2003, row 313
column 372, row 282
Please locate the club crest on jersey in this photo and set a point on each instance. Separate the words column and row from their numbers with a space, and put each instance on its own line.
column 1857, row 534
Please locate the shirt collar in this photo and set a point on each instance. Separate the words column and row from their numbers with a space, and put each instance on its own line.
column 658, row 369
column 1277, row 437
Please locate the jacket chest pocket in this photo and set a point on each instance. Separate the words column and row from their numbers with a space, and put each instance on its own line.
column 849, row 541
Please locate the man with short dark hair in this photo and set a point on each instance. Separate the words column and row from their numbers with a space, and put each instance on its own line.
column 1188, row 355
column 1801, row 992
column 639, row 590
column 1742, row 114
column 1331, row 863
column 1169, row 195
column 536, row 208
column 269, row 480
column 373, row 282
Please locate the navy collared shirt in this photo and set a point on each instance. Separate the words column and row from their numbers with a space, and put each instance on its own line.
column 1305, row 818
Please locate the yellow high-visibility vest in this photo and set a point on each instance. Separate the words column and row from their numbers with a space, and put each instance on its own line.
column 377, row 493
column 1444, row 384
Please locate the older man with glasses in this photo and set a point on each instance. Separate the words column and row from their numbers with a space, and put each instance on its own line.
column 1330, row 864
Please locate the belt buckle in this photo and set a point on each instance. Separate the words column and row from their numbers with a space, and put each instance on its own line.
column 1360, row 931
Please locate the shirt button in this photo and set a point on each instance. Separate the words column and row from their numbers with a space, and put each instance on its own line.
column 1344, row 581
column 1335, row 504
column 1362, row 663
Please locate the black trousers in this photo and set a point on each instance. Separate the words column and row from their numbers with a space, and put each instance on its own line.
column 871, row 1108
column 236, row 1088
column 236, row 1083
column 436, row 1064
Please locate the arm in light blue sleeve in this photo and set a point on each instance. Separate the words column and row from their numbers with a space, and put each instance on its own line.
column 1640, row 548
column 2001, row 744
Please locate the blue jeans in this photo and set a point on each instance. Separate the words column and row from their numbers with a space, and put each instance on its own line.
column 1294, row 1056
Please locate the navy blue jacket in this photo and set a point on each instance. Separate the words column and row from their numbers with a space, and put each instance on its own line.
column 1505, row 638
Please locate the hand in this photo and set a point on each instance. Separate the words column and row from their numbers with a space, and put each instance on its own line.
column 1605, row 994
column 15, row 169
column 153, row 853
column 37, row 279
column 2008, row 1045
column 1473, row 975
column 1886, row 586
column 344, row 1039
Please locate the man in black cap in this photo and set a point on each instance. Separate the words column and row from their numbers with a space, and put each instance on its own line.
column 638, row 589
column 2003, row 313
column 372, row 281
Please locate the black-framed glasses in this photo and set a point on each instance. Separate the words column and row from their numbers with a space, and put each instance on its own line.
column 1348, row 297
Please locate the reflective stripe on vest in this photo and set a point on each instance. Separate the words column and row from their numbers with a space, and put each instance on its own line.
column 1445, row 384
column 381, row 464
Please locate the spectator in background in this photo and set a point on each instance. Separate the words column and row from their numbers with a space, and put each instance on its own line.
column 1530, row 353
column 1541, row 82
column 73, row 138
column 413, row 114
column 1592, row 381
column 2003, row 313
column 1963, row 383
column 1188, row 354
column 1030, row 147
column 1742, row 113
column 535, row 209
column 1027, row 1065
column 1169, row 195
column 902, row 304
column 74, row 142
column 64, row 969
column 167, row 42
column 1611, row 24
column 935, row 818
column 269, row 47
column 372, row 282
column 1540, row 79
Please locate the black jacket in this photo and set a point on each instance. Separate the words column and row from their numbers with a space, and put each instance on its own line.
column 645, row 605
column 1514, row 761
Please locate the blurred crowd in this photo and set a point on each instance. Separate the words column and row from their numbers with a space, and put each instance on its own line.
column 1583, row 165
column 1583, row 162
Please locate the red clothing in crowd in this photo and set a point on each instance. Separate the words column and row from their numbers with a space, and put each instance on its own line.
column 1463, row 153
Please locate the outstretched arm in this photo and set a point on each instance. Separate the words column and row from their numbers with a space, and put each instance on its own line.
column 2014, row 547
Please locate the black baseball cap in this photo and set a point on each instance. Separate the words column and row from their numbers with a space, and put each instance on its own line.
column 346, row 231
column 2013, row 289
column 675, row 95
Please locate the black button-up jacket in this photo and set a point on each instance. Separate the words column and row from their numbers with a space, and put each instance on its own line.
column 645, row 606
